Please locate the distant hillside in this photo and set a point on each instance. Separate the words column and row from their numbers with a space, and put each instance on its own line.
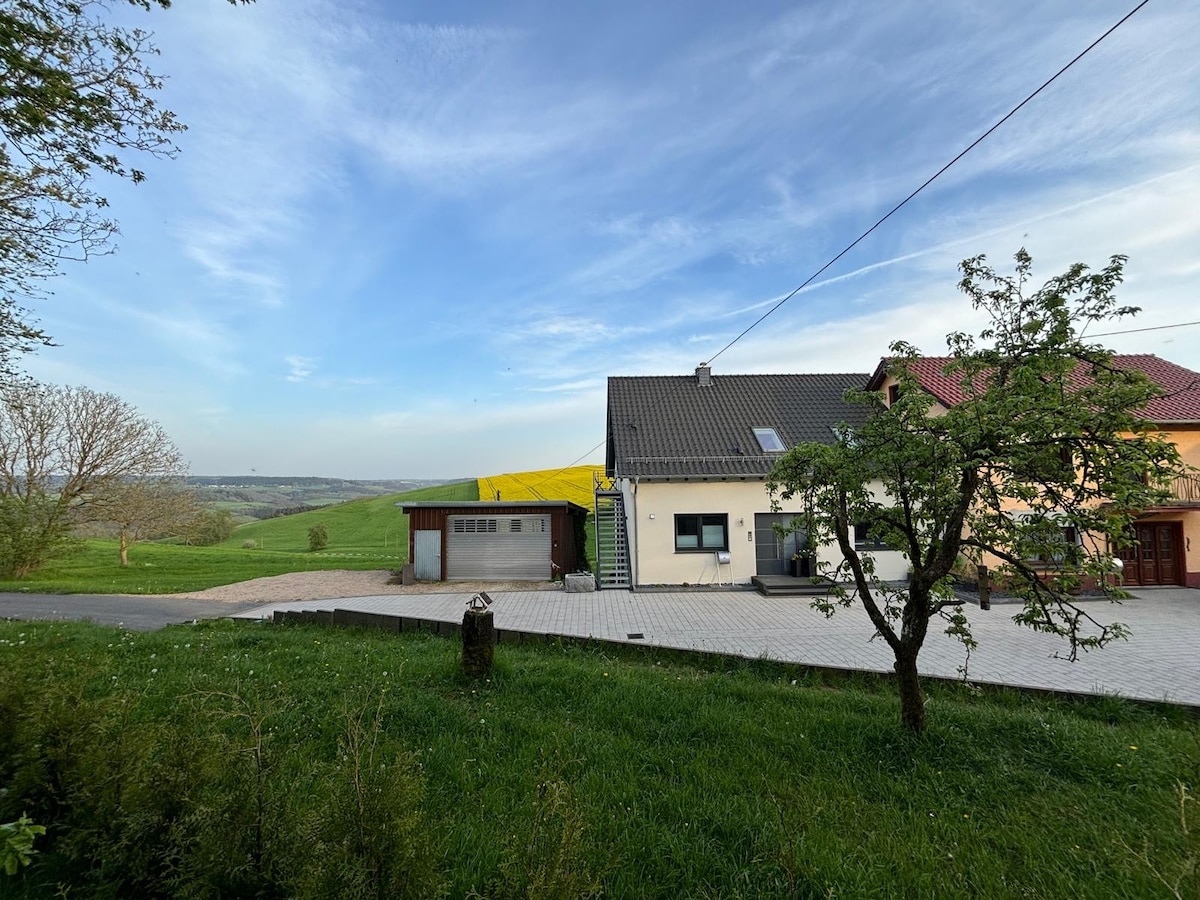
column 375, row 526
column 371, row 526
column 263, row 496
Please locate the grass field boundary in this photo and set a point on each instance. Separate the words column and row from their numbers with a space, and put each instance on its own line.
column 703, row 659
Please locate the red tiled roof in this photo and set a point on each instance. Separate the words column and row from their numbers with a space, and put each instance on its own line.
column 1181, row 387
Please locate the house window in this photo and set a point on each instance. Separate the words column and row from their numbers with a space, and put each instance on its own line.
column 701, row 533
column 865, row 540
column 769, row 440
column 893, row 394
column 1067, row 536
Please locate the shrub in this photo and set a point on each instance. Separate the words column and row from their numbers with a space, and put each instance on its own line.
column 16, row 843
column 250, row 544
column 318, row 537
column 211, row 526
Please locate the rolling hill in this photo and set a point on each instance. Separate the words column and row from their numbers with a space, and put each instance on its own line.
column 376, row 527
column 373, row 526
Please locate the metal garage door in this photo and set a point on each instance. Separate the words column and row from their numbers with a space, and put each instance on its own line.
column 498, row 548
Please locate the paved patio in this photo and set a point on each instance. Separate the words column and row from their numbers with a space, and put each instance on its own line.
column 1160, row 661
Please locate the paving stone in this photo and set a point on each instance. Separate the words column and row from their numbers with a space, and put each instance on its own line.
column 1158, row 662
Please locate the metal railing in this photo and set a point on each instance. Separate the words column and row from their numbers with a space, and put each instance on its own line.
column 1186, row 488
column 602, row 483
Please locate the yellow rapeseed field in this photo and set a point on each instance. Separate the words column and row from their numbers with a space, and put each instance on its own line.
column 574, row 484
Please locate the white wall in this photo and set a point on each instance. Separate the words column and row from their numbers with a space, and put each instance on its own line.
column 658, row 563
column 652, row 508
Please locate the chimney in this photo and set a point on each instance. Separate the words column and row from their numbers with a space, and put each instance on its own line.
column 704, row 375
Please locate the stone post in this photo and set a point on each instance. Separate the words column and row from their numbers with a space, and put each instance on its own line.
column 478, row 640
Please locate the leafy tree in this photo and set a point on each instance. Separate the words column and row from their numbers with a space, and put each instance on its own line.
column 76, row 98
column 66, row 455
column 1048, row 426
column 208, row 527
column 318, row 537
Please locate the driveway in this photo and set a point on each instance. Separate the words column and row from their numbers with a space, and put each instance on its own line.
column 135, row 612
column 1160, row 661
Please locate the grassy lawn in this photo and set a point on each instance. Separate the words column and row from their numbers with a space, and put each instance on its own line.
column 167, row 569
column 363, row 534
column 570, row 769
column 373, row 526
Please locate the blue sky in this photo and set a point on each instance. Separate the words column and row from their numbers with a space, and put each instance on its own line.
column 413, row 240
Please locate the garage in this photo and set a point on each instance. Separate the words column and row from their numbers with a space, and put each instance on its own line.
column 494, row 541
column 506, row 548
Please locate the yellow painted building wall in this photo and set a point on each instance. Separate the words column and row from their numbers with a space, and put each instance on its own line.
column 1187, row 440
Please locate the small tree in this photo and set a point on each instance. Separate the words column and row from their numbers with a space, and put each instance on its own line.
column 208, row 527
column 66, row 454
column 1048, row 425
column 142, row 508
column 318, row 537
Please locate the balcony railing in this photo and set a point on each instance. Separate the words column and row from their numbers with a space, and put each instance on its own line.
column 1186, row 489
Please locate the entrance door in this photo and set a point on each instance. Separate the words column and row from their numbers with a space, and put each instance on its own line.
column 1155, row 558
column 773, row 554
column 427, row 555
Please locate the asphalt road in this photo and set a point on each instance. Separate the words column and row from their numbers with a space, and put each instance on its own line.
column 134, row 612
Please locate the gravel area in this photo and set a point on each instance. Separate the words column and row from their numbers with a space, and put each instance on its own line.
column 328, row 585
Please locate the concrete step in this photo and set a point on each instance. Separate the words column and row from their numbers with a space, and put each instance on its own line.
column 787, row 586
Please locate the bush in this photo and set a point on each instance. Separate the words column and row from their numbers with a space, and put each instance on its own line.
column 31, row 533
column 249, row 545
column 16, row 844
column 211, row 526
column 318, row 537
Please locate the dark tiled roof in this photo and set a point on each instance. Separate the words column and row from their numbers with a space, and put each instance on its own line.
column 1181, row 387
column 671, row 426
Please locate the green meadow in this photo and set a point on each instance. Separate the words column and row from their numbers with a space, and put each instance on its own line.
column 363, row 534
column 374, row 526
column 250, row 760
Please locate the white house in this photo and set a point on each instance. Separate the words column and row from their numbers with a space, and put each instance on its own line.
column 688, row 456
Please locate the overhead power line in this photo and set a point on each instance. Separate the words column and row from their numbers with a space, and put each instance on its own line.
column 1151, row 328
column 932, row 178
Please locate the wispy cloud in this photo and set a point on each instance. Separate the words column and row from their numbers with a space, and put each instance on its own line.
column 299, row 367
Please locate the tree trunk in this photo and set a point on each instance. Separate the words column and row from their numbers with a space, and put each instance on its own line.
column 912, row 701
column 124, row 549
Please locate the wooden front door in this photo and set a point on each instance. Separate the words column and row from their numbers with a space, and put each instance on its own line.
column 1155, row 558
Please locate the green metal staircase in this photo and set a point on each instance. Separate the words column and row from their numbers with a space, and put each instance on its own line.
column 612, row 539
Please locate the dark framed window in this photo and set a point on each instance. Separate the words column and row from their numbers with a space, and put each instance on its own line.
column 1068, row 536
column 864, row 540
column 893, row 394
column 698, row 533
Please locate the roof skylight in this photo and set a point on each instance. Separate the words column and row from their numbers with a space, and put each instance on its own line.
column 769, row 440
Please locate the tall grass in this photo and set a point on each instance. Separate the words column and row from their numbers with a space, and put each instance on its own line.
column 568, row 772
